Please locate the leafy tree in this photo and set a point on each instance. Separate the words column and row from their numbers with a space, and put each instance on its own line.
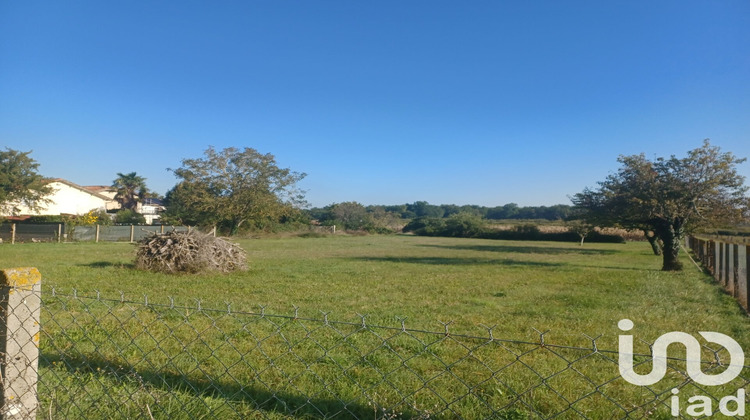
column 233, row 187
column 580, row 227
column 593, row 208
column 20, row 184
column 670, row 196
column 181, row 211
column 464, row 225
column 385, row 221
column 131, row 188
column 350, row 215
column 450, row 209
column 425, row 209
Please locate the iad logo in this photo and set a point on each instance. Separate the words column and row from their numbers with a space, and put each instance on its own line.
column 702, row 404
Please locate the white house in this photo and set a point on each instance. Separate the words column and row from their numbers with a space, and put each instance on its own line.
column 70, row 198
column 150, row 208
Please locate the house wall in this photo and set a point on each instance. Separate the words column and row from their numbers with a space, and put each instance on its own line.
column 149, row 211
column 67, row 200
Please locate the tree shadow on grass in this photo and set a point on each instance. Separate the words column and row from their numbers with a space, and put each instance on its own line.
column 526, row 249
column 251, row 396
column 108, row 264
column 460, row 261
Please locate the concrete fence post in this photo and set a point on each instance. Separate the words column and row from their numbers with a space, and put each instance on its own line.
column 132, row 233
column 719, row 261
column 13, row 233
column 730, row 269
column 740, row 272
column 20, row 305
column 726, row 263
column 96, row 239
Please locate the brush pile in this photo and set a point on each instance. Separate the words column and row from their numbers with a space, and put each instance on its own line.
column 189, row 252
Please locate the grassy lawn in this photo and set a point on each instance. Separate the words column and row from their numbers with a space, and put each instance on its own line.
column 554, row 286
column 562, row 288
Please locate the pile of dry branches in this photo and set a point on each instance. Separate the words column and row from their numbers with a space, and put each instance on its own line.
column 189, row 252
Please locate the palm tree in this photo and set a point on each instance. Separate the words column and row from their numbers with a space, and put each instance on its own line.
column 130, row 189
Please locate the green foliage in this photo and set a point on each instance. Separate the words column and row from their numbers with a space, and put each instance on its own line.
column 426, row 226
column 131, row 188
column 464, row 225
column 384, row 221
column 460, row 225
column 424, row 209
column 129, row 217
column 20, row 184
column 44, row 219
column 580, row 227
column 103, row 218
column 92, row 217
column 350, row 216
column 671, row 197
column 232, row 188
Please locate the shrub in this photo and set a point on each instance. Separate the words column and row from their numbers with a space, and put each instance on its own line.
column 44, row 219
column 463, row 225
column 189, row 252
column 426, row 226
column 129, row 217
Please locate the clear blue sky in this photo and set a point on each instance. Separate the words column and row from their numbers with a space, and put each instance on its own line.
column 387, row 102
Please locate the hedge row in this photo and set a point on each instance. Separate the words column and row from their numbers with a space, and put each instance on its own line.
column 467, row 226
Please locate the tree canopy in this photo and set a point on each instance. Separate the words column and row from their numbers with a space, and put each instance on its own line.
column 131, row 188
column 669, row 196
column 233, row 187
column 20, row 184
column 350, row 215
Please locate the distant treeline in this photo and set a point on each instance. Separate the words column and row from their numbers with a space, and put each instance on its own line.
column 425, row 209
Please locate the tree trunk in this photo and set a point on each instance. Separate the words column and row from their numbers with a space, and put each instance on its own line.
column 236, row 227
column 670, row 235
column 653, row 240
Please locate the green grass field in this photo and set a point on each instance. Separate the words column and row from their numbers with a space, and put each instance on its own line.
column 562, row 288
column 554, row 286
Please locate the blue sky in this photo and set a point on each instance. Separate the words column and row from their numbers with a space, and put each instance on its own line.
column 388, row 102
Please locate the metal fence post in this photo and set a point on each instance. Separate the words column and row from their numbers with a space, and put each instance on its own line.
column 20, row 305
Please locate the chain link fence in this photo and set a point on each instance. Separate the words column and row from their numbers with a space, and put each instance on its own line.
column 119, row 358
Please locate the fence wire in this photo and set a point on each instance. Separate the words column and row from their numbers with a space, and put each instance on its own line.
column 119, row 358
